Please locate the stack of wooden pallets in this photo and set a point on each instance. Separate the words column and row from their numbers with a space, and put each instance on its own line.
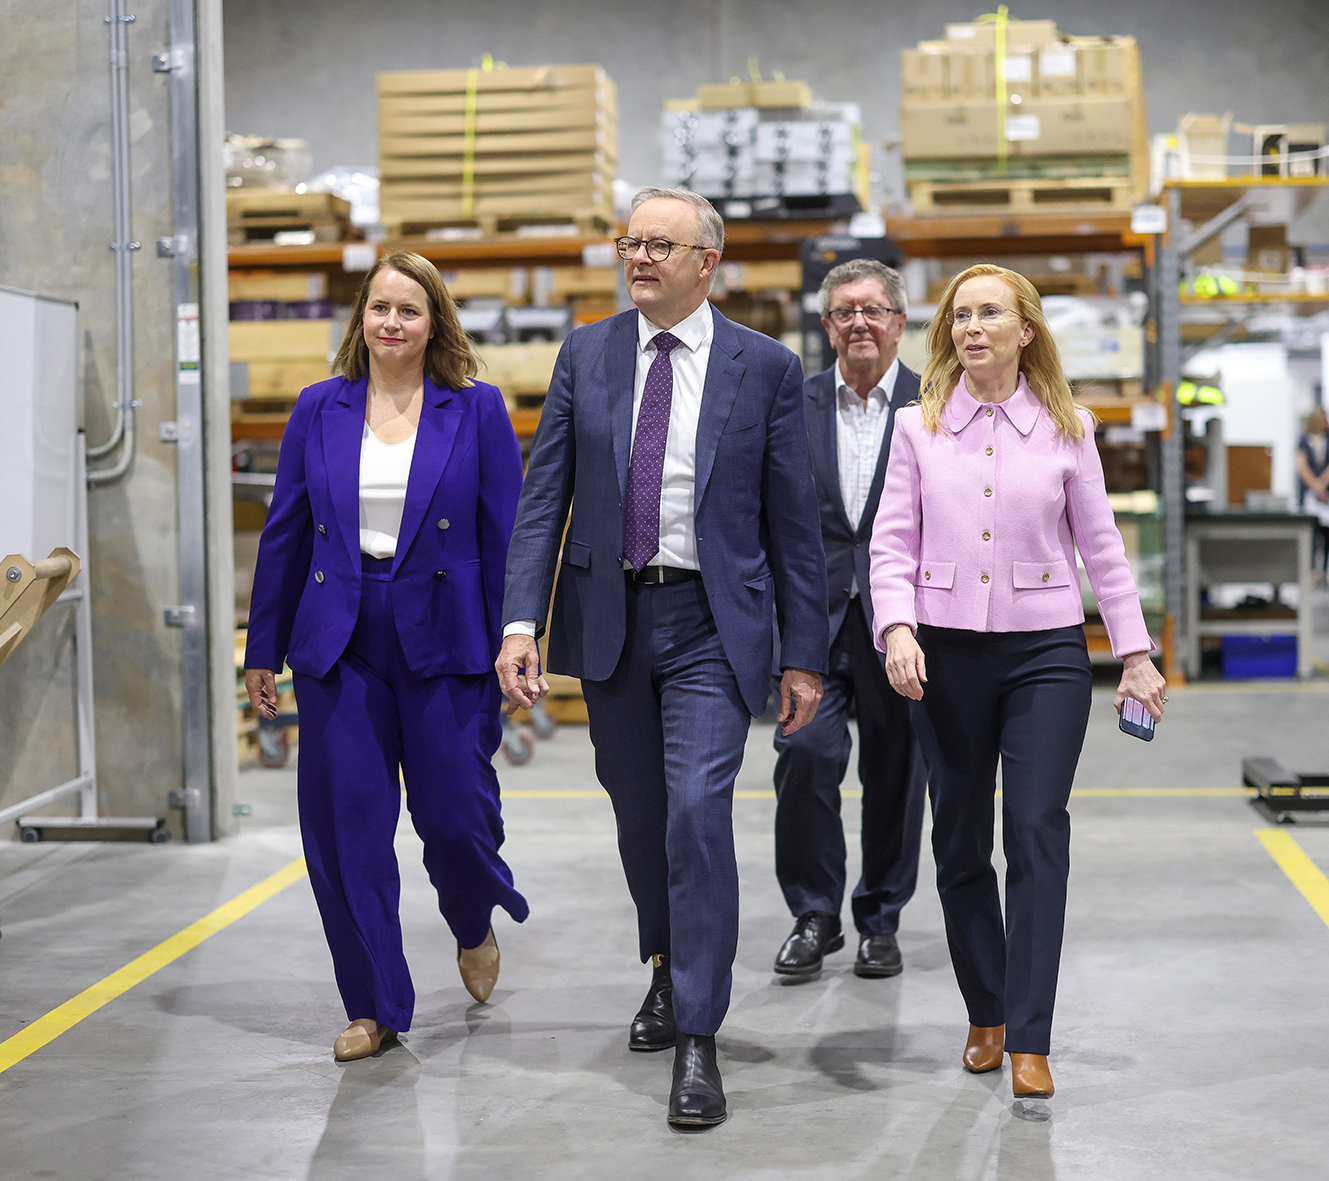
column 258, row 215
column 497, row 148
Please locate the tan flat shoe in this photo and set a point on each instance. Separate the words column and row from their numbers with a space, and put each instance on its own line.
column 1030, row 1076
column 479, row 967
column 362, row 1038
column 983, row 1050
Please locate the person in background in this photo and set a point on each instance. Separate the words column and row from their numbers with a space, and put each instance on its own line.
column 379, row 580
column 994, row 481
column 1313, row 479
column 676, row 439
column 850, row 410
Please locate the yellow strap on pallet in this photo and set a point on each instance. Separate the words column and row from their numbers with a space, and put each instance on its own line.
column 1000, row 19
column 487, row 65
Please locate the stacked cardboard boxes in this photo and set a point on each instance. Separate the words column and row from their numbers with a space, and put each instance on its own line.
column 766, row 140
column 497, row 148
column 1058, row 123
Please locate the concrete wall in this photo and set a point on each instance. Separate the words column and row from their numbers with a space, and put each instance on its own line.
column 299, row 69
column 55, row 226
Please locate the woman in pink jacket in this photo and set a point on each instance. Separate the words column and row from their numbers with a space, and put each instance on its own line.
column 993, row 481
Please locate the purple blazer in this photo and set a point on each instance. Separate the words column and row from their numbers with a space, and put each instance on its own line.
column 979, row 523
column 447, row 576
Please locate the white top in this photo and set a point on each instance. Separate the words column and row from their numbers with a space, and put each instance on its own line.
column 384, row 470
column 678, row 530
column 860, row 428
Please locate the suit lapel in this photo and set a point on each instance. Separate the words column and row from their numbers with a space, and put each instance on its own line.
column 439, row 419
column 343, row 432
column 620, row 385
column 724, row 374
column 906, row 390
column 822, row 441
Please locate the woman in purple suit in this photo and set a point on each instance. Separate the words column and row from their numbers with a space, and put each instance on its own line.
column 380, row 582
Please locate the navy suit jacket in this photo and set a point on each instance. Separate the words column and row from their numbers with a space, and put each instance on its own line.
column 447, row 576
column 758, row 540
column 847, row 545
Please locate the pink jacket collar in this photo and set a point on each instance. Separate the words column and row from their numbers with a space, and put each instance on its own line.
column 1021, row 408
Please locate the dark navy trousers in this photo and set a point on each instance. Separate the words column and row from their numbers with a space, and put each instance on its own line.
column 1022, row 697
column 669, row 727
column 366, row 726
column 811, row 765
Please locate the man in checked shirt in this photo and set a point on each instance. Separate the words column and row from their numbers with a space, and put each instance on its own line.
column 849, row 411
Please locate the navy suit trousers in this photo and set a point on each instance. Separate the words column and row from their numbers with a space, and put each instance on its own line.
column 811, row 765
column 366, row 726
column 669, row 728
column 1022, row 697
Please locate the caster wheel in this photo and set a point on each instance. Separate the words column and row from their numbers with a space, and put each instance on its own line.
column 160, row 836
column 518, row 747
column 274, row 748
column 29, row 835
column 542, row 722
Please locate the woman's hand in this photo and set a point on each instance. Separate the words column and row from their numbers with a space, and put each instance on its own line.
column 1141, row 680
column 905, row 665
column 261, row 685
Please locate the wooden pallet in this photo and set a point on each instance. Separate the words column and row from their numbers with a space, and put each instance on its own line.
column 1080, row 195
column 256, row 215
column 587, row 223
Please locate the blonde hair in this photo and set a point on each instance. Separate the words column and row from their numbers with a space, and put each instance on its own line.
column 450, row 361
column 1039, row 361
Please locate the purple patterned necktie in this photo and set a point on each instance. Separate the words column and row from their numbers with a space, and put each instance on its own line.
column 641, row 517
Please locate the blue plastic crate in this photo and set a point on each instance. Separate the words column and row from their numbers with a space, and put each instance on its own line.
column 1247, row 657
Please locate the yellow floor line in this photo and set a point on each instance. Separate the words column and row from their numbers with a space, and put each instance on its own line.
column 46, row 1029
column 1302, row 872
column 1092, row 792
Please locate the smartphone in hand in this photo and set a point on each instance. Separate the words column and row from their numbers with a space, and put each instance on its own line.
column 1136, row 720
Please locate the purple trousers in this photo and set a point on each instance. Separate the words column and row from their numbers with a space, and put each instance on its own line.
column 363, row 728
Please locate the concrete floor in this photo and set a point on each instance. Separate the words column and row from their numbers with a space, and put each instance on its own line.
column 1190, row 1036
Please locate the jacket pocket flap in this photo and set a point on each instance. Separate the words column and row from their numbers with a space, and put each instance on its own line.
column 1030, row 575
column 577, row 553
column 940, row 575
column 758, row 584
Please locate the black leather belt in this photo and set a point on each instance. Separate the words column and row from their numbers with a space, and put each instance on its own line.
column 661, row 575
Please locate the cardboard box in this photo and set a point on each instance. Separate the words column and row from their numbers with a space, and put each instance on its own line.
column 518, row 368
column 781, row 94
column 528, row 78
column 284, row 340
column 507, row 283
column 293, row 288
column 925, row 76
column 1045, row 126
column 983, row 34
column 717, row 96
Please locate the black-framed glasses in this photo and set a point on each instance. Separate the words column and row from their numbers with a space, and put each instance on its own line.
column 991, row 314
column 872, row 314
column 657, row 249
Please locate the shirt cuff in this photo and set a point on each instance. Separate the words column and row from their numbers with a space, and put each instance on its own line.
column 520, row 627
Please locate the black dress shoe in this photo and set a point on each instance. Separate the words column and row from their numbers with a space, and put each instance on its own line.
column 814, row 936
column 878, row 955
column 697, row 1097
column 653, row 1028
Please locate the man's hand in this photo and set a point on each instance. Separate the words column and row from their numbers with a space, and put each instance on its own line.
column 518, row 668
column 906, row 667
column 261, row 685
column 800, row 694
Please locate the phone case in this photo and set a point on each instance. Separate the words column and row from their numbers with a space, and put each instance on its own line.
column 1136, row 720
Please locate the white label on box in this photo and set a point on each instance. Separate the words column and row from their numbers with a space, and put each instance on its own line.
column 1019, row 67
column 599, row 254
column 1149, row 219
column 1057, row 63
column 358, row 256
column 1023, row 127
column 1148, row 416
column 962, row 32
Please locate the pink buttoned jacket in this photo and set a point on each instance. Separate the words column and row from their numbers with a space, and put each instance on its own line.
column 979, row 522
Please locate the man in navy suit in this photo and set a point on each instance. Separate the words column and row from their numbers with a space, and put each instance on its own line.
column 677, row 438
column 850, row 412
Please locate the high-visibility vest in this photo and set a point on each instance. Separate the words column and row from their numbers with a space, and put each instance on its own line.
column 1208, row 286
column 1190, row 393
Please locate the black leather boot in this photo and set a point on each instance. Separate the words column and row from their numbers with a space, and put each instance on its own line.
column 653, row 1027
column 697, row 1097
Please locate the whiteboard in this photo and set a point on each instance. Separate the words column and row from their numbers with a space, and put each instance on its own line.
column 38, row 423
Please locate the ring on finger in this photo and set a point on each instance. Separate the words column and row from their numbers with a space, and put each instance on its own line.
column 1164, row 698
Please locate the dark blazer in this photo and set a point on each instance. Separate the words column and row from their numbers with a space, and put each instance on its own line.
column 846, row 546
column 447, row 577
column 758, row 540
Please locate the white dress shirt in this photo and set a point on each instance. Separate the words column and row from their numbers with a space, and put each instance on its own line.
column 384, row 471
column 860, row 428
column 678, row 530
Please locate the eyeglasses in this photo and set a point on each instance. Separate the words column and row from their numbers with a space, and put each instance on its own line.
column 657, row 249
column 872, row 314
column 988, row 315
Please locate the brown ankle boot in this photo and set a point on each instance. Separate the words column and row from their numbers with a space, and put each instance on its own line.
column 983, row 1050
column 1030, row 1076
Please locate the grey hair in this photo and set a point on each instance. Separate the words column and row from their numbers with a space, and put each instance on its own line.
column 856, row 270
column 710, row 225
